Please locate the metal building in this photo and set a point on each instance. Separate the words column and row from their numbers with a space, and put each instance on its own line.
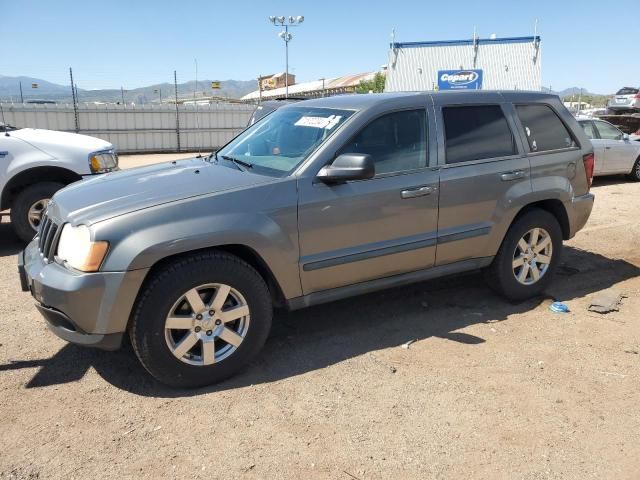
column 479, row 63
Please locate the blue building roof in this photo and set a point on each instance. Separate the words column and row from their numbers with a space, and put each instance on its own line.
column 479, row 41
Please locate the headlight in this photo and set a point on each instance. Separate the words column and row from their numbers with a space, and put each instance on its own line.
column 102, row 162
column 77, row 249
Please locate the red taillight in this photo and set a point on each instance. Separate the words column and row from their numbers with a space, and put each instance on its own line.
column 637, row 96
column 589, row 161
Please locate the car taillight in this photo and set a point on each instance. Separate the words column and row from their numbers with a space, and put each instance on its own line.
column 637, row 96
column 589, row 161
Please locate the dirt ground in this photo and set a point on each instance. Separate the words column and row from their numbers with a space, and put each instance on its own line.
column 488, row 389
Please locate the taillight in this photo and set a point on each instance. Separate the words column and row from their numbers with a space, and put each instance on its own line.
column 589, row 161
column 637, row 96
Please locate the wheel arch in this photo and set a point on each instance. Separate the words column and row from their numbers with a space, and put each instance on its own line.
column 32, row 176
column 555, row 207
column 244, row 252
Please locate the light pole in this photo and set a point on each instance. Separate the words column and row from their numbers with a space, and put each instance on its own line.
column 284, row 22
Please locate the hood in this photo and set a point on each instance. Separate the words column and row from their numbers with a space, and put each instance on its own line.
column 113, row 194
column 61, row 144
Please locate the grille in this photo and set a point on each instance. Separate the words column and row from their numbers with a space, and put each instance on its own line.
column 48, row 238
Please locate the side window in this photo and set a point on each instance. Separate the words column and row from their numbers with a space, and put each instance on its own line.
column 608, row 132
column 545, row 131
column 476, row 132
column 589, row 130
column 397, row 141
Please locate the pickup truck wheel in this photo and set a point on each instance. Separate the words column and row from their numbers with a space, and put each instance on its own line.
column 634, row 175
column 528, row 256
column 200, row 319
column 28, row 207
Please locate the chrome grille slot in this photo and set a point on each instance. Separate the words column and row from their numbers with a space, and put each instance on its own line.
column 49, row 236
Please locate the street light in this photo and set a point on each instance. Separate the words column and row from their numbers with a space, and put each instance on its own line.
column 284, row 22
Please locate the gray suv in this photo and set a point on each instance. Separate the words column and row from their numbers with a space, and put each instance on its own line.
column 321, row 200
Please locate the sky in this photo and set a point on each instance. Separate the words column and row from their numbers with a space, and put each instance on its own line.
column 136, row 43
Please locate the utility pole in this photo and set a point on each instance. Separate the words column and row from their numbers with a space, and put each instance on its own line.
column 21, row 97
column 75, row 101
column 122, row 94
column 175, row 86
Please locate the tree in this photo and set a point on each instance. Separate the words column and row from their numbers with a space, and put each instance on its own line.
column 375, row 85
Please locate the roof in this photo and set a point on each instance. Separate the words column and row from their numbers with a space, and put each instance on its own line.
column 470, row 41
column 367, row 100
column 357, row 101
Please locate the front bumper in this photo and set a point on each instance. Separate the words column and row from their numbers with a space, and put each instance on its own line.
column 89, row 309
column 579, row 211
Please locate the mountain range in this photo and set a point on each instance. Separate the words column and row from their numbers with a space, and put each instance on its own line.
column 10, row 91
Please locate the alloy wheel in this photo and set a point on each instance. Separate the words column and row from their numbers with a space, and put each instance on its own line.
column 34, row 214
column 532, row 256
column 207, row 324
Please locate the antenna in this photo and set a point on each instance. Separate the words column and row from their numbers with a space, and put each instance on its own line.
column 199, row 136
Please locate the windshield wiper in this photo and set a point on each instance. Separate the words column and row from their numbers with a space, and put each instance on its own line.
column 237, row 162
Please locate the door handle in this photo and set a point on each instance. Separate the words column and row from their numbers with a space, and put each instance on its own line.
column 416, row 192
column 607, row 148
column 509, row 176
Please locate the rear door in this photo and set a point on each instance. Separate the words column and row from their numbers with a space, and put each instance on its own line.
column 368, row 229
column 619, row 154
column 483, row 169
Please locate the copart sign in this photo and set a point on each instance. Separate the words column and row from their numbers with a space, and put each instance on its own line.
column 460, row 79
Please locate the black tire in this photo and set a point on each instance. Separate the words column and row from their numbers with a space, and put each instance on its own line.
column 500, row 274
column 634, row 175
column 166, row 286
column 23, row 202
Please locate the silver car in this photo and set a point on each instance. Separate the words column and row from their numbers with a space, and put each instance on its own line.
column 626, row 99
column 615, row 152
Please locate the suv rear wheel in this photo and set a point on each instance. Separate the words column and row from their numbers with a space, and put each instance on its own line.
column 28, row 207
column 528, row 256
column 200, row 319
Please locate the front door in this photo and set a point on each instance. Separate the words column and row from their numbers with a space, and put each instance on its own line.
column 368, row 229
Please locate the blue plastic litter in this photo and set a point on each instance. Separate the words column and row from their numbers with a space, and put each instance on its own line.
column 559, row 307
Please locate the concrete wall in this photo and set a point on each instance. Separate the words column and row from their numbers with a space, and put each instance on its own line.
column 137, row 129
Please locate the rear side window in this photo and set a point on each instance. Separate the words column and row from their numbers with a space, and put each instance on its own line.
column 588, row 129
column 544, row 129
column 476, row 132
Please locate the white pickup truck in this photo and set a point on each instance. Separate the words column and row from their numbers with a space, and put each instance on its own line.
column 35, row 163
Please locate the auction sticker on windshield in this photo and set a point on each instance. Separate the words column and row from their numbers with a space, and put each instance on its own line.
column 319, row 122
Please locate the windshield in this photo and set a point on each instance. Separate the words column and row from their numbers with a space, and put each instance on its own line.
column 627, row 91
column 278, row 143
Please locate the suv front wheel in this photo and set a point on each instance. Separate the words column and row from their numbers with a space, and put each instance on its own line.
column 200, row 319
column 28, row 207
column 528, row 256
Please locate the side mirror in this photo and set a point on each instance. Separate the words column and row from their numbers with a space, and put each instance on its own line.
column 625, row 136
column 348, row 166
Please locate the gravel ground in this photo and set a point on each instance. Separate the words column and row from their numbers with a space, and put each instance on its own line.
column 487, row 389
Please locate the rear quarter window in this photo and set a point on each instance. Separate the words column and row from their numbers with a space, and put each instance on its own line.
column 544, row 129
column 476, row 132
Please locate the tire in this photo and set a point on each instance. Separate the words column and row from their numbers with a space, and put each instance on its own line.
column 634, row 175
column 166, row 293
column 28, row 197
column 501, row 274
